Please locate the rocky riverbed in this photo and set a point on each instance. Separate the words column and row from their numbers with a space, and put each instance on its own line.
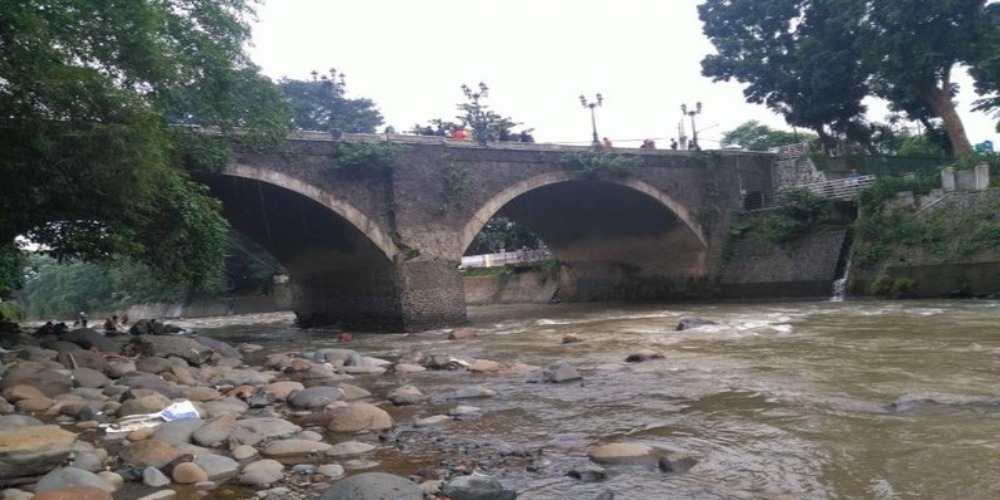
column 333, row 423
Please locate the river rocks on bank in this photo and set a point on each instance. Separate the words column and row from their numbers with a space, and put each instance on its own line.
column 374, row 486
column 33, row 450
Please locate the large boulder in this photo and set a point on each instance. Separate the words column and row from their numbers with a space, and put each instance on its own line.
column 476, row 487
column 374, row 486
column 33, row 450
column 89, row 338
column 186, row 348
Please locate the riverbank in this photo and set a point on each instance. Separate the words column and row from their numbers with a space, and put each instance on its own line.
column 261, row 424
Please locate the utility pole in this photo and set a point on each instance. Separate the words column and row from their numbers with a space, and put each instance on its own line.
column 694, row 129
column 599, row 99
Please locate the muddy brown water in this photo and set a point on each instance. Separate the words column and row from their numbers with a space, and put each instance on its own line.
column 779, row 400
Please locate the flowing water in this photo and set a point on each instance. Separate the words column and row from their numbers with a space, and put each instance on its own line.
column 779, row 400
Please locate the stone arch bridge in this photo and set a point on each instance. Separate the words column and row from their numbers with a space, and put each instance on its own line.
column 379, row 248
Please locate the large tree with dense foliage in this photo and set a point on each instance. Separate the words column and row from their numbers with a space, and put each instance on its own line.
column 92, row 160
column 802, row 57
column 321, row 104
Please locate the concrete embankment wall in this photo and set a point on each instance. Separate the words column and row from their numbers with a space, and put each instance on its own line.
column 280, row 300
column 524, row 287
column 804, row 268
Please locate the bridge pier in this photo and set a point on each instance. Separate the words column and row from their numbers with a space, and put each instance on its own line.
column 402, row 297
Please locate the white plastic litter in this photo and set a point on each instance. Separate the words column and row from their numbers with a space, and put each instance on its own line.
column 178, row 410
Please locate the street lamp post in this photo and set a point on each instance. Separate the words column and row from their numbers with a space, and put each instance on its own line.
column 593, row 121
column 692, row 113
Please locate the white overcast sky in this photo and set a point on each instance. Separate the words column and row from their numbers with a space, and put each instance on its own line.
column 537, row 56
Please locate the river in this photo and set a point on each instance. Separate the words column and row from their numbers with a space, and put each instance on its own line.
column 779, row 400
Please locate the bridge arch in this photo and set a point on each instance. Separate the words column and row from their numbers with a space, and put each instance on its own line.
column 377, row 235
column 494, row 204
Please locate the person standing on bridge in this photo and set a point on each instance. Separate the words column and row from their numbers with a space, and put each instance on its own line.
column 606, row 143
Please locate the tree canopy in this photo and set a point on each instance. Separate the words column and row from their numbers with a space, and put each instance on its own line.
column 814, row 61
column 321, row 104
column 94, row 154
column 755, row 136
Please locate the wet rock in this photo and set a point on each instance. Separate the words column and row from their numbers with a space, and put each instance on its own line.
column 476, row 487
column 588, row 473
column 316, row 397
column 88, row 462
column 571, row 338
column 465, row 411
column 406, row 395
column 358, row 417
column 432, row 421
column 643, row 355
column 218, row 467
column 461, row 334
column 33, row 450
column 160, row 495
column 332, row 471
column 65, row 477
column 474, row 391
column 261, row 398
column 262, row 473
column 484, row 366
column 353, row 392
column 193, row 352
column 188, row 473
column 254, row 430
column 287, row 448
column 149, row 453
column 374, row 486
column 408, row 368
column 72, row 493
column 349, row 449
column 154, row 478
column 689, row 323
column 223, row 349
column 178, row 432
column 215, row 431
column 561, row 372
column 641, row 454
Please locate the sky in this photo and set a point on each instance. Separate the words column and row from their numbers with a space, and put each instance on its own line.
column 537, row 57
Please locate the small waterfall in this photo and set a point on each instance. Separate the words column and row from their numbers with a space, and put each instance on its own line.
column 840, row 284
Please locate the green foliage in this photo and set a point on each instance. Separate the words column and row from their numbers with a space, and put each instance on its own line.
column 500, row 233
column 486, row 124
column 13, row 263
column 457, row 181
column 755, row 136
column 892, row 287
column 799, row 212
column 321, row 104
column 91, row 162
column 920, row 145
column 601, row 164
column 359, row 157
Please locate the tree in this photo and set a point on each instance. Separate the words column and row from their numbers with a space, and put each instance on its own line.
column 801, row 63
column 754, row 136
column 320, row 104
column 486, row 124
column 813, row 61
column 501, row 233
column 93, row 163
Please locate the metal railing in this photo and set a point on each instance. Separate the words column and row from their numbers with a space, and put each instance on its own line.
column 839, row 189
column 505, row 258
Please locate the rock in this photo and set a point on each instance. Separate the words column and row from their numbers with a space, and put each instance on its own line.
column 254, row 430
column 33, row 450
column 353, row 392
column 287, row 448
column 203, row 394
column 79, row 358
column 119, row 369
column 153, row 364
column 88, row 462
column 244, row 452
column 160, row 495
column 154, row 478
column 374, row 486
column 283, row 389
column 689, row 323
column 641, row 454
column 221, row 348
column 47, row 380
column 18, row 392
column 188, row 473
column 88, row 338
column 188, row 349
column 465, row 411
column 474, row 391
column 588, row 473
column 149, row 453
column 359, row 417
column 37, row 405
column 73, row 493
column 148, row 381
column 476, row 486
column 215, row 432
column 262, row 473
column 218, row 467
column 571, row 338
column 144, row 404
column 332, row 471
column 643, row 355
column 15, row 421
column 316, row 397
column 432, row 420
column 349, row 449
column 406, row 395
column 225, row 406
column 561, row 372
column 408, row 368
column 461, row 334
column 88, row 377
column 331, row 355
column 178, row 432
column 484, row 366
column 65, row 477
